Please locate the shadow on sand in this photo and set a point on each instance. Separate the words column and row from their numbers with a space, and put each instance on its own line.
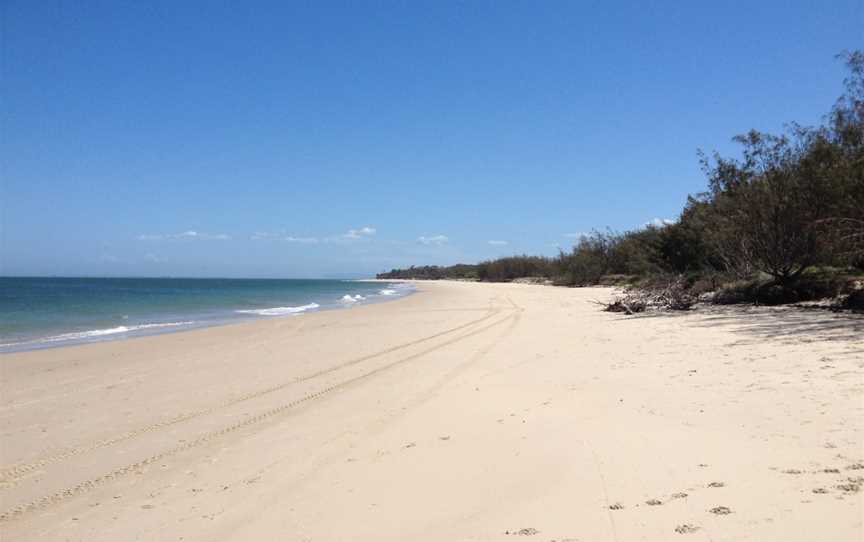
column 775, row 323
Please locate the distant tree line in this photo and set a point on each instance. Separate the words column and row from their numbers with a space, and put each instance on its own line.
column 789, row 209
column 433, row 272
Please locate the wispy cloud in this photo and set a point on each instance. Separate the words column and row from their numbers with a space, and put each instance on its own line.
column 354, row 234
column 576, row 235
column 433, row 240
column 366, row 233
column 264, row 236
column 360, row 233
column 498, row 243
column 185, row 236
column 659, row 223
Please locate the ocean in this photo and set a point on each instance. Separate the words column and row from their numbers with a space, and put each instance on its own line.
column 48, row 312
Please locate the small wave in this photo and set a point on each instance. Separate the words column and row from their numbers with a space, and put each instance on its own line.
column 348, row 299
column 81, row 335
column 388, row 292
column 280, row 311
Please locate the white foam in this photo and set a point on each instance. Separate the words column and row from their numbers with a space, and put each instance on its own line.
column 388, row 292
column 280, row 311
column 81, row 335
column 349, row 299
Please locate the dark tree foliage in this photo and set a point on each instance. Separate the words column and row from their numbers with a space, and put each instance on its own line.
column 432, row 272
column 514, row 267
column 764, row 207
column 842, row 147
column 683, row 247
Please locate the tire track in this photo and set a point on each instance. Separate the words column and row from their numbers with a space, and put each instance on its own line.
column 92, row 483
column 11, row 475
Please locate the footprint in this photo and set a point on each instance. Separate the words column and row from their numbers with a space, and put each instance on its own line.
column 853, row 485
column 791, row 471
column 716, row 484
column 528, row 531
column 720, row 510
column 616, row 506
column 680, row 495
column 820, row 490
column 653, row 502
column 686, row 528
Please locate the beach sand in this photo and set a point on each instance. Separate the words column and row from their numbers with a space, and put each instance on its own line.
column 463, row 412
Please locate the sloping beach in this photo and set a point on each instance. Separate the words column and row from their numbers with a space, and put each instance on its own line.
column 464, row 412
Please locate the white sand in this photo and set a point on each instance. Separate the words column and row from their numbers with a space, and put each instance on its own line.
column 460, row 413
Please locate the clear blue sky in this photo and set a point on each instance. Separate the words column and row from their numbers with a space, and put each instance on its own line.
column 291, row 139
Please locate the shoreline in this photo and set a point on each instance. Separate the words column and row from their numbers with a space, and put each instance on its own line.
column 469, row 411
column 156, row 327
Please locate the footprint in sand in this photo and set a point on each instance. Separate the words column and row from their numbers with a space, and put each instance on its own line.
column 653, row 502
column 616, row 506
column 820, row 491
column 720, row 510
column 528, row 531
column 716, row 484
column 680, row 495
column 686, row 529
column 852, row 485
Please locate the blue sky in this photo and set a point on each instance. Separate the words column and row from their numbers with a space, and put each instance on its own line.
column 322, row 139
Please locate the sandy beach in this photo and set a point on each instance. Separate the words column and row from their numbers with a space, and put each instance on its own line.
column 463, row 412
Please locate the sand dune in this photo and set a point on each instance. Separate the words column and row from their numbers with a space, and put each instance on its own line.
column 464, row 412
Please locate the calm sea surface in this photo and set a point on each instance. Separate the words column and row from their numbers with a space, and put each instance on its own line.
column 46, row 312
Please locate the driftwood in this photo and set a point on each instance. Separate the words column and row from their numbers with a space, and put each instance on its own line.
column 673, row 294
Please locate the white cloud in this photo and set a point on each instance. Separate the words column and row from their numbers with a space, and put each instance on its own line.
column 577, row 235
column 185, row 236
column 498, row 243
column 365, row 231
column 659, row 223
column 358, row 234
column 434, row 240
column 264, row 236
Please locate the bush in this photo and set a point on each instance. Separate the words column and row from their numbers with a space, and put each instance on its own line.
column 854, row 301
column 514, row 267
column 810, row 286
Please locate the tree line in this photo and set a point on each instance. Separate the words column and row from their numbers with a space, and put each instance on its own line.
column 785, row 219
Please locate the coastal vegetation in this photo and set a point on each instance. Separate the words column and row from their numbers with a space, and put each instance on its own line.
column 781, row 223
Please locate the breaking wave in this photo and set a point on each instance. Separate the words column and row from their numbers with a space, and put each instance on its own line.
column 280, row 311
column 83, row 335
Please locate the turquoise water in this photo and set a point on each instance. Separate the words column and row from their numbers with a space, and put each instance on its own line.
column 48, row 312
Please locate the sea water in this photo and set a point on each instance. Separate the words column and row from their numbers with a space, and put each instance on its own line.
column 47, row 312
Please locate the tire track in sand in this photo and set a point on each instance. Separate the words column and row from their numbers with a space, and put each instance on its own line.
column 11, row 475
column 92, row 483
